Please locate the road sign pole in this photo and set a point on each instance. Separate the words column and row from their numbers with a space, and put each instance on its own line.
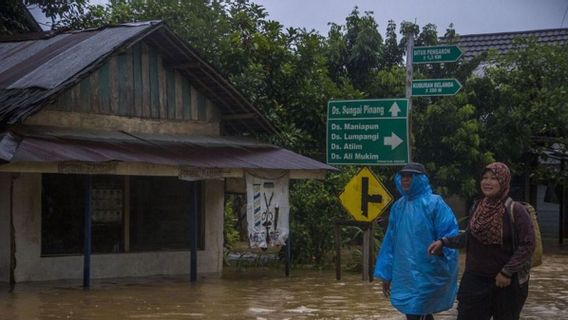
column 409, row 78
column 366, row 253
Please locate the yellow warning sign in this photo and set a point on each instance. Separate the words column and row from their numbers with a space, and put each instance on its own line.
column 365, row 197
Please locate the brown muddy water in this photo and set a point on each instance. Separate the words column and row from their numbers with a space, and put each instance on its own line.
column 252, row 294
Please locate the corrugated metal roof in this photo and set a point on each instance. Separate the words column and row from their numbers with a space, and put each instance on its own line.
column 49, row 65
column 475, row 44
column 42, row 144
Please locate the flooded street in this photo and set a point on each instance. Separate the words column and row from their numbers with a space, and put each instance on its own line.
column 252, row 294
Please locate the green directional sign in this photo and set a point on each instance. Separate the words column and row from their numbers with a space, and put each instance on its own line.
column 367, row 132
column 435, row 87
column 436, row 54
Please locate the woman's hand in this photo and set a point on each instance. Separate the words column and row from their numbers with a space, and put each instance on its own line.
column 436, row 248
column 501, row 281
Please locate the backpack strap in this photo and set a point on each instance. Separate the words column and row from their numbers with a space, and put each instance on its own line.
column 510, row 207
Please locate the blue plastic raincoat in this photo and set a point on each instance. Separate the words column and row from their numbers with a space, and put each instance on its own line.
column 420, row 283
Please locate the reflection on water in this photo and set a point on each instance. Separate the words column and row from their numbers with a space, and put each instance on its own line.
column 252, row 294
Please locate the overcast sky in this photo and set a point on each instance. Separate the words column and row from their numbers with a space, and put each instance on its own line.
column 468, row 16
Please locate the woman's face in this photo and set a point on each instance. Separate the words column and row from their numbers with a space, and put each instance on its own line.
column 490, row 186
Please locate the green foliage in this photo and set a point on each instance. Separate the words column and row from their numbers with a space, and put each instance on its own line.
column 528, row 92
column 447, row 133
column 315, row 208
column 14, row 18
column 230, row 232
column 393, row 52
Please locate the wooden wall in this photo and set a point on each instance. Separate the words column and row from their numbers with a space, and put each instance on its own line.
column 135, row 83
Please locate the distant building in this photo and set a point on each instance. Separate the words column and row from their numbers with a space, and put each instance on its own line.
column 502, row 42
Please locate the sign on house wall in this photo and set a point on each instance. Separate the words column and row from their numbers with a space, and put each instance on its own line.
column 267, row 209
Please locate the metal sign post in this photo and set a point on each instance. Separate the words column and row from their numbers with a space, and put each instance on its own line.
column 409, row 75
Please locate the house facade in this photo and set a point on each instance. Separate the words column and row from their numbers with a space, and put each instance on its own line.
column 117, row 146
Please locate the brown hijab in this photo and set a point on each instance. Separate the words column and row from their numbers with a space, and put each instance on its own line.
column 486, row 223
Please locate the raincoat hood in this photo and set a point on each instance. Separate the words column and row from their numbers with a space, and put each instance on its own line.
column 420, row 186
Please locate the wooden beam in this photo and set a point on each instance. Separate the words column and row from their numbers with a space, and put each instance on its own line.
column 308, row 174
column 239, row 116
column 144, row 169
column 187, row 65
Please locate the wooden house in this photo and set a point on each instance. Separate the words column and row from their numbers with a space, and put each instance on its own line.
column 116, row 148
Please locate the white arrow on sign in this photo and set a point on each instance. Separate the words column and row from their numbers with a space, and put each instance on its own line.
column 394, row 110
column 393, row 141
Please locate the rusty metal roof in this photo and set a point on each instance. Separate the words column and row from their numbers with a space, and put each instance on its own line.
column 47, row 65
column 475, row 44
column 42, row 144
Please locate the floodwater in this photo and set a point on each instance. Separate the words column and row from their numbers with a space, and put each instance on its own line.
column 252, row 294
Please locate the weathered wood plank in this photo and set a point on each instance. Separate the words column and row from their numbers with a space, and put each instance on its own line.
column 87, row 121
column 179, row 96
column 170, row 94
column 201, row 107
column 186, row 93
column 76, row 92
column 124, row 87
column 145, row 82
column 113, row 75
column 66, row 101
column 137, row 80
column 209, row 110
column 129, row 85
column 154, row 84
column 194, row 94
column 84, row 104
column 95, row 91
column 162, row 90
column 104, row 89
column 120, row 168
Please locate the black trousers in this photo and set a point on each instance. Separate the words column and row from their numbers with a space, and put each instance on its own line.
column 419, row 317
column 480, row 299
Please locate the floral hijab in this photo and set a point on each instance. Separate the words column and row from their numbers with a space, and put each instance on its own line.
column 486, row 223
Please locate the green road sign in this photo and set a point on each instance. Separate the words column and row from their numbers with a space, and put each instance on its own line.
column 435, row 87
column 367, row 132
column 436, row 54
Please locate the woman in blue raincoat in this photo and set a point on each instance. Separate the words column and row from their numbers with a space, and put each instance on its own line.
column 419, row 284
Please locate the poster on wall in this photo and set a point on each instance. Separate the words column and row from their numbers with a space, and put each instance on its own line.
column 267, row 209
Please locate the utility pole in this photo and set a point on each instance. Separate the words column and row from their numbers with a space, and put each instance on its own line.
column 409, row 78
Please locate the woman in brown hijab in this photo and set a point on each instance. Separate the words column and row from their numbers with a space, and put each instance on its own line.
column 495, row 280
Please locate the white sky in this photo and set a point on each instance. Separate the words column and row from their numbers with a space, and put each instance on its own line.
column 468, row 16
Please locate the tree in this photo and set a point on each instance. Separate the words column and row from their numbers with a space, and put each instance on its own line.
column 524, row 107
column 393, row 52
column 364, row 46
column 14, row 17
